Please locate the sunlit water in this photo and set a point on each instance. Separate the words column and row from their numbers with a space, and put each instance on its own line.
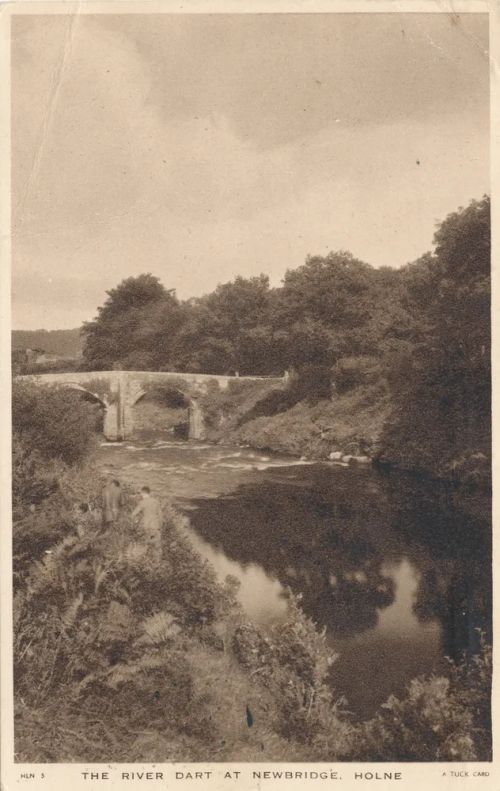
column 397, row 570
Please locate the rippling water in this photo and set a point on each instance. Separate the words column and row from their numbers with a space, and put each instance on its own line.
column 397, row 570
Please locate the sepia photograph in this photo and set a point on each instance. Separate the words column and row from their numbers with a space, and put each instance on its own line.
column 251, row 387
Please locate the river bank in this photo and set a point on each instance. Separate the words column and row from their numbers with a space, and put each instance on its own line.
column 276, row 421
column 350, row 426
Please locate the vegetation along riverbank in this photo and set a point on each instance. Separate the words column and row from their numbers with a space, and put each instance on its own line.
column 122, row 654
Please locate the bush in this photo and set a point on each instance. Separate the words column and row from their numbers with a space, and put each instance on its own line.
column 56, row 424
column 351, row 372
column 311, row 382
column 442, row 718
column 292, row 659
column 31, row 481
column 44, row 508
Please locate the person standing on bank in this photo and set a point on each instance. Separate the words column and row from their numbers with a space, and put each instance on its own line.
column 150, row 509
column 111, row 502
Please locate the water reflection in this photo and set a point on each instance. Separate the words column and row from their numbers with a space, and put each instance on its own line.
column 324, row 546
column 262, row 596
column 398, row 574
column 399, row 647
column 398, row 569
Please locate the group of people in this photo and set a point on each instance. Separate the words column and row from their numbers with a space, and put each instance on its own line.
column 148, row 512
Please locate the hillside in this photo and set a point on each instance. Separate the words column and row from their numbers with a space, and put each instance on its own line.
column 66, row 343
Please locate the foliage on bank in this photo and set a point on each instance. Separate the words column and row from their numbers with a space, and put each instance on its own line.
column 51, row 431
column 57, row 424
column 441, row 388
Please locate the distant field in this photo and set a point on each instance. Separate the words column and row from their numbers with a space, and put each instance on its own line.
column 66, row 343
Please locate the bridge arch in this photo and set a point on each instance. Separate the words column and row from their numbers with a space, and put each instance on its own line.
column 100, row 425
column 86, row 391
column 143, row 393
column 160, row 408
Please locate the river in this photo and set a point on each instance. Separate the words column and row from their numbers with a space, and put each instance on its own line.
column 397, row 569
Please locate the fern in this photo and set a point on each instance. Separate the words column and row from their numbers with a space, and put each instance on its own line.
column 68, row 617
column 118, row 623
column 124, row 673
column 159, row 629
column 100, row 574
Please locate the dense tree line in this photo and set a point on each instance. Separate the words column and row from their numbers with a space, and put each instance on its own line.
column 329, row 308
column 336, row 321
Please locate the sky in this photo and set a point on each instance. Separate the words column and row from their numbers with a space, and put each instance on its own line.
column 201, row 147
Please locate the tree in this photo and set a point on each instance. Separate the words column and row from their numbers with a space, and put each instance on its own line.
column 139, row 315
column 334, row 290
column 229, row 330
column 239, row 308
column 441, row 391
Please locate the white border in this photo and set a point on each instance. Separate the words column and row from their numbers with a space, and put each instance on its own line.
column 57, row 776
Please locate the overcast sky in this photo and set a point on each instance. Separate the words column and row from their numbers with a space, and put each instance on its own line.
column 202, row 147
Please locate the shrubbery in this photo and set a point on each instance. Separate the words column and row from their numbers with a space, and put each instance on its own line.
column 52, row 430
column 54, row 423
column 442, row 718
column 351, row 372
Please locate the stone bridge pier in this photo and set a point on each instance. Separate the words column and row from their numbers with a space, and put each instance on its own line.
column 119, row 391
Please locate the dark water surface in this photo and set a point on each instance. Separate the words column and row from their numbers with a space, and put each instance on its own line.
column 397, row 569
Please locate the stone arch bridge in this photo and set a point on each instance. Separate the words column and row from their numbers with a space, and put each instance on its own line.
column 119, row 391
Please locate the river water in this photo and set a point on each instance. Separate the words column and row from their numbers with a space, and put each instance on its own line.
column 397, row 569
